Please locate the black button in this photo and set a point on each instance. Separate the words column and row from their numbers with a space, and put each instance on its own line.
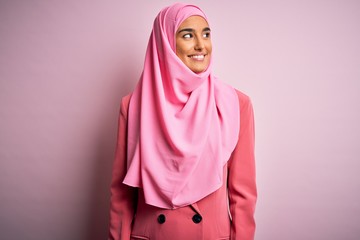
column 197, row 218
column 161, row 218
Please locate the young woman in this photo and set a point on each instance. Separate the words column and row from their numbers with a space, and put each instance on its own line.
column 184, row 166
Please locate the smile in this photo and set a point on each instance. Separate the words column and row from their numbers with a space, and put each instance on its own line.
column 198, row 57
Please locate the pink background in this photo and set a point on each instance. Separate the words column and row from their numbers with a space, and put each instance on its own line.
column 64, row 66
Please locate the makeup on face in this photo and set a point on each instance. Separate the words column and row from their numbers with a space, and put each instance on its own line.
column 193, row 43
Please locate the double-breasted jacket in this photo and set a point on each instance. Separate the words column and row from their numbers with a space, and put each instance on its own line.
column 227, row 213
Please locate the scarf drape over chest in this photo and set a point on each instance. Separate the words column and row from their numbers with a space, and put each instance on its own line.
column 182, row 126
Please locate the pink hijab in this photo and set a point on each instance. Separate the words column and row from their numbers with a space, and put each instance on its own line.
column 182, row 126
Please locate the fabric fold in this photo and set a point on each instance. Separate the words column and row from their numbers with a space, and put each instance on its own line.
column 182, row 126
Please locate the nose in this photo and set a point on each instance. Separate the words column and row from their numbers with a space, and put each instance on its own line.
column 199, row 44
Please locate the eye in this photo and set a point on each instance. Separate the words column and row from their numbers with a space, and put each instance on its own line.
column 187, row 35
column 206, row 35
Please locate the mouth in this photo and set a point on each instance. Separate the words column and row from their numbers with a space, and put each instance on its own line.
column 197, row 57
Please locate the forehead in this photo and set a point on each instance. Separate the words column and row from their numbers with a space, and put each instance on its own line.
column 194, row 22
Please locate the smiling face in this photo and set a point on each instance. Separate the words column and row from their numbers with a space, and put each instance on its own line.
column 193, row 43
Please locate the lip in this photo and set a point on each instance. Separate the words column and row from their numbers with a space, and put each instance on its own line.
column 198, row 56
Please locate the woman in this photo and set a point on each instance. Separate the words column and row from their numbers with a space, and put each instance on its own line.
column 184, row 166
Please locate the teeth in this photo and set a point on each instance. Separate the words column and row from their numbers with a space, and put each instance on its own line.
column 199, row 57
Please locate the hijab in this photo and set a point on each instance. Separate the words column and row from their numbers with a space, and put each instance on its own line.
column 182, row 126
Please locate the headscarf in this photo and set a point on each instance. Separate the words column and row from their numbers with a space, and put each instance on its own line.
column 182, row 126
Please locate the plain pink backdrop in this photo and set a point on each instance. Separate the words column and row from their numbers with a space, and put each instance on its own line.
column 64, row 66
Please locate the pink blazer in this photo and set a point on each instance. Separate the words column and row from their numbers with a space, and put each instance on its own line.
column 228, row 213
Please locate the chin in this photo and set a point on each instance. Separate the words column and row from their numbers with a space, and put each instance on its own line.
column 198, row 69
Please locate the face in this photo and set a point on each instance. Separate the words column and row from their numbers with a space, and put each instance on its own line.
column 193, row 43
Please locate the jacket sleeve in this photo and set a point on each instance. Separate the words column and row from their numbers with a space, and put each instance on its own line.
column 241, row 177
column 123, row 197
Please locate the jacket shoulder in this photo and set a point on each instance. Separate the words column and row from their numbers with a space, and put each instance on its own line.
column 244, row 99
column 125, row 101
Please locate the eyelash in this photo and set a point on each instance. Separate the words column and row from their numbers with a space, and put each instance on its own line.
column 189, row 35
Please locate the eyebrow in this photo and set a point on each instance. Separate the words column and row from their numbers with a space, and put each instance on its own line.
column 192, row 30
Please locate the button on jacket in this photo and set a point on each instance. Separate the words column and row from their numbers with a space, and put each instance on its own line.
column 227, row 213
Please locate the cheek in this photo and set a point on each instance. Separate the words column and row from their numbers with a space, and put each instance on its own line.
column 179, row 50
column 182, row 55
column 209, row 47
column 182, row 47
